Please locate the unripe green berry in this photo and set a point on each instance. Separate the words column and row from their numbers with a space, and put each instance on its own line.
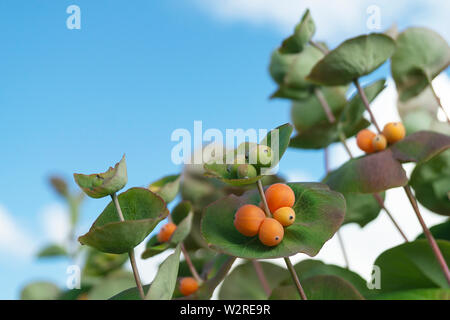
column 246, row 171
column 262, row 154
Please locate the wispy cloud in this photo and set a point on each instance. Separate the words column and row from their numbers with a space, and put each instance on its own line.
column 336, row 20
column 14, row 240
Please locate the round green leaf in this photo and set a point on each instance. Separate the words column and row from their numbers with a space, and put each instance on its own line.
column 323, row 287
column 420, row 146
column 417, row 294
column 309, row 268
column 52, row 250
column 431, row 183
column 361, row 208
column 111, row 285
column 319, row 213
column 99, row 185
column 439, row 231
column 99, row 263
column 412, row 265
column 421, row 54
column 40, row 290
column 308, row 113
column 243, row 283
column 142, row 211
column 368, row 174
column 354, row 58
column 166, row 187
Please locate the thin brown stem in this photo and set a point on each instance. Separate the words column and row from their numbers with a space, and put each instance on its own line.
column 325, row 106
column 190, row 264
column 287, row 260
column 137, row 278
column 366, row 103
column 318, row 46
column 344, row 252
column 295, row 278
column 341, row 242
column 438, row 100
column 381, row 204
column 437, row 252
column 262, row 278
column 263, row 198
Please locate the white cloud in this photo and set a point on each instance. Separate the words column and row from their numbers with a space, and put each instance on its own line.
column 14, row 240
column 335, row 20
column 56, row 223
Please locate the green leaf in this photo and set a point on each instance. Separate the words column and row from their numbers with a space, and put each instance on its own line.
column 167, row 187
column 420, row 146
column 439, row 231
column 52, row 250
column 300, row 67
column 368, row 174
column 309, row 113
column 361, row 208
column 290, row 93
column 303, row 32
column 421, row 54
column 412, row 265
column 99, row 185
column 142, row 211
column 221, row 171
column 416, row 294
column 431, row 183
column 352, row 115
column 323, row 287
column 354, row 58
column 40, row 290
column 99, row 263
column 181, row 211
column 165, row 280
column 111, row 285
column 243, row 283
column 309, row 268
column 153, row 247
column 319, row 213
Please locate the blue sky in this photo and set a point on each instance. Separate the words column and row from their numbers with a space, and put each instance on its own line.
column 76, row 100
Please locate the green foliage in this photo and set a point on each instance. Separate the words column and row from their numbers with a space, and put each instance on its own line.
column 99, row 264
column 40, row 290
column 167, row 187
column 222, row 170
column 303, row 32
column 165, row 280
column 416, row 294
column 99, row 185
column 439, row 231
column 431, row 183
column 352, row 59
column 52, row 250
column 412, row 266
column 142, row 211
column 322, row 287
column 243, row 283
column 421, row 54
column 361, row 208
column 368, row 174
column 111, row 284
column 319, row 213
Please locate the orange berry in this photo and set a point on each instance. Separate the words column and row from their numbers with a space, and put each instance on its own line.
column 379, row 142
column 188, row 286
column 285, row 216
column 271, row 232
column 279, row 195
column 248, row 219
column 166, row 232
column 364, row 140
column 394, row 132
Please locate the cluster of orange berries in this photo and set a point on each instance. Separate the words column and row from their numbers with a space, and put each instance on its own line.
column 187, row 285
column 250, row 220
column 370, row 142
